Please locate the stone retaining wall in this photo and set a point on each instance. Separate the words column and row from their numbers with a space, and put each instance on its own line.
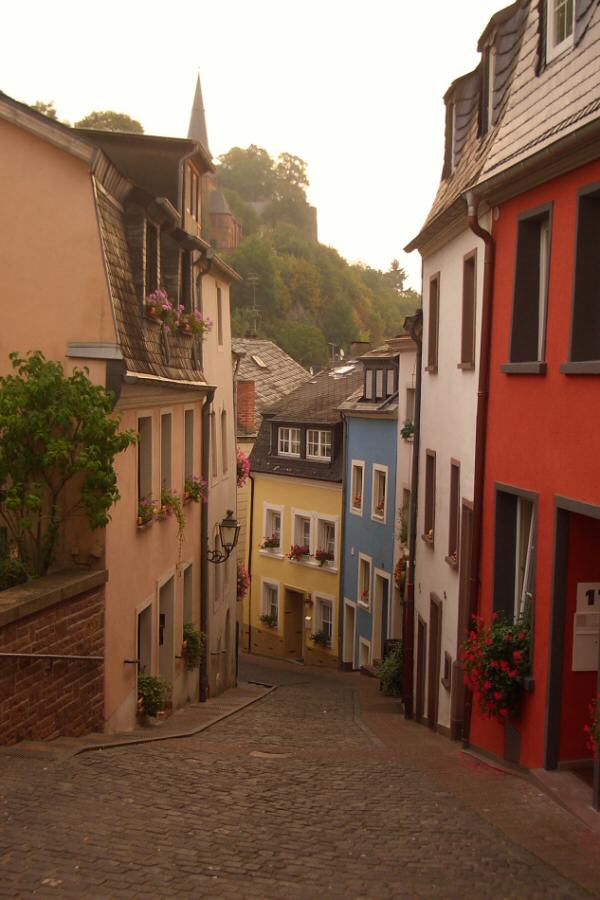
column 41, row 699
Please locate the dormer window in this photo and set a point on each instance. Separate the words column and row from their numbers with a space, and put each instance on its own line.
column 288, row 441
column 487, row 88
column 192, row 203
column 559, row 27
column 318, row 444
column 380, row 382
column 152, row 258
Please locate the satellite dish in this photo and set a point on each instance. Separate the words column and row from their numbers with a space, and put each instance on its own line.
column 341, row 354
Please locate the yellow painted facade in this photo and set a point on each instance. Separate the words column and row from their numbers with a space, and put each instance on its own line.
column 304, row 593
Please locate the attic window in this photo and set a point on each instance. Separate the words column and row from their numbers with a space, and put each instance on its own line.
column 487, row 88
column 259, row 362
column 559, row 27
column 151, row 269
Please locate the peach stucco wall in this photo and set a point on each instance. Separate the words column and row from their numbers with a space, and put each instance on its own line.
column 53, row 280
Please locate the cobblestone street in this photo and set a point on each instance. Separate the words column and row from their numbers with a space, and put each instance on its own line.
column 320, row 788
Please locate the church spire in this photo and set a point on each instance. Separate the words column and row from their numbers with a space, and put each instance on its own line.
column 197, row 130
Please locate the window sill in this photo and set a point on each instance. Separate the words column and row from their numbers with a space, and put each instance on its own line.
column 378, row 517
column 431, row 369
column 272, row 554
column 306, row 563
column 585, row 367
column 466, row 366
column 524, row 368
column 427, row 539
column 364, row 604
column 409, row 439
column 356, row 511
column 452, row 561
column 143, row 526
column 319, row 459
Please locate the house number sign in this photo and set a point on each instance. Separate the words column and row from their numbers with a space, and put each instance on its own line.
column 586, row 627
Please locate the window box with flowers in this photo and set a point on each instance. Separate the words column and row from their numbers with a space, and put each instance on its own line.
column 193, row 323
column 269, row 620
column 195, row 489
column 271, row 543
column 407, row 430
column 593, row 728
column 243, row 581
column 299, row 552
column 160, row 309
column 324, row 556
column 321, row 638
column 242, row 468
column 496, row 663
column 147, row 511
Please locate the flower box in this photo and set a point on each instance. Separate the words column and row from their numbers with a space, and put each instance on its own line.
column 323, row 556
column 271, row 543
column 298, row 552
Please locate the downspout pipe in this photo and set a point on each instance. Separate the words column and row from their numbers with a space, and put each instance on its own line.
column 414, row 326
column 341, row 605
column 204, row 610
column 250, row 544
column 481, row 425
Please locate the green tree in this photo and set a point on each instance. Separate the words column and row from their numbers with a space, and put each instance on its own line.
column 58, row 442
column 47, row 109
column 108, row 120
column 304, row 341
column 250, row 173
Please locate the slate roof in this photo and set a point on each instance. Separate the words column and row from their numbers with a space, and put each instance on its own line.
column 548, row 102
column 281, row 375
column 314, row 403
column 472, row 149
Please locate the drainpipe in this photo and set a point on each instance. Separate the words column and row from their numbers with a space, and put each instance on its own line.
column 341, row 605
column 250, row 543
column 414, row 326
column 205, row 472
column 481, row 426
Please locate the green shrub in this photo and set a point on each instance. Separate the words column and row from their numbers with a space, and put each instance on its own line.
column 194, row 641
column 155, row 691
column 12, row 572
column 390, row 673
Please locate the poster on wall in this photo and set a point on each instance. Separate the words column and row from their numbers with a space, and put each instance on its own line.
column 586, row 627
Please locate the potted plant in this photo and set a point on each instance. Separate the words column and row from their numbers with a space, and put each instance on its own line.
column 298, row 552
column 323, row 556
column 270, row 543
column 365, row 596
column 357, row 501
column 380, row 507
column 321, row 638
column 400, row 574
column 407, row 430
column 495, row 659
column 193, row 322
column 243, row 581
column 146, row 512
column 242, row 468
column 195, row 489
column 193, row 645
column 154, row 691
column 269, row 621
column 160, row 308
column 389, row 673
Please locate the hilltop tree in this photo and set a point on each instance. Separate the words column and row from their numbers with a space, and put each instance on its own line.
column 47, row 109
column 108, row 120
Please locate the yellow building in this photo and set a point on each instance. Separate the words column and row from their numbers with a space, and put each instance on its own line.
column 295, row 533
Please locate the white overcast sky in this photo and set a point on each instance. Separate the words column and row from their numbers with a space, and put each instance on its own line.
column 354, row 88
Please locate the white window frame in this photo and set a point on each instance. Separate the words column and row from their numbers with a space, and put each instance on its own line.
column 303, row 514
column 369, row 384
column 265, row 609
column 281, row 440
column 321, row 433
column 268, row 509
column 358, row 464
column 553, row 49
column 363, row 642
column 389, row 388
column 321, row 519
column 320, row 599
column 375, row 515
column 362, row 557
column 491, row 80
column 544, row 251
column 521, row 588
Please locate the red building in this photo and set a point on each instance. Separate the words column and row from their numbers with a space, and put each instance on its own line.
column 540, row 540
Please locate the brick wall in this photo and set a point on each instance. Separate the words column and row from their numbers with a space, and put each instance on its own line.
column 44, row 699
column 246, row 405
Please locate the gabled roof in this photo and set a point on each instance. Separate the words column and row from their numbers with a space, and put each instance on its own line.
column 273, row 372
column 316, row 402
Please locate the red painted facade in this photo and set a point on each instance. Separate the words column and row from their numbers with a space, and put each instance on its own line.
column 543, row 437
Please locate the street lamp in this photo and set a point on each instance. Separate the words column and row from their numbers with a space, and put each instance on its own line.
column 229, row 532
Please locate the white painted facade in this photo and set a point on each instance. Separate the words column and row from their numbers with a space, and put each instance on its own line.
column 448, row 419
column 222, row 577
column 404, row 458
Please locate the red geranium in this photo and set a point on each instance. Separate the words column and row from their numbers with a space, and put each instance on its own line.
column 593, row 729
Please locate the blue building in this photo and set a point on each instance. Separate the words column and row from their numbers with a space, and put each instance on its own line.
column 370, row 508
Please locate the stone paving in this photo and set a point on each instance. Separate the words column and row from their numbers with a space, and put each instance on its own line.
column 320, row 788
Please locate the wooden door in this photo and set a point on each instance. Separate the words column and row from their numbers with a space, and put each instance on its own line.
column 293, row 625
column 421, row 651
column 457, row 700
column 433, row 667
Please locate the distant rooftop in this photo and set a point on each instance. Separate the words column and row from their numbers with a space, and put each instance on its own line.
column 273, row 371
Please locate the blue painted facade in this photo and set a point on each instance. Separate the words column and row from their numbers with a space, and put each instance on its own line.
column 372, row 441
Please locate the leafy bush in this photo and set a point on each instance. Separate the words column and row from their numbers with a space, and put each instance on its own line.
column 269, row 621
column 155, row 692
column 390, row 673
column 321, row 638
column 194, row 641
column 12, row 572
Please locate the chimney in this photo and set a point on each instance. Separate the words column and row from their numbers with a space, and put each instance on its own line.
column 246, row 405
column 357, row 348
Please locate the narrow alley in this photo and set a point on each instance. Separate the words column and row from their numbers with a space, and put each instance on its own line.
column 319, row 788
